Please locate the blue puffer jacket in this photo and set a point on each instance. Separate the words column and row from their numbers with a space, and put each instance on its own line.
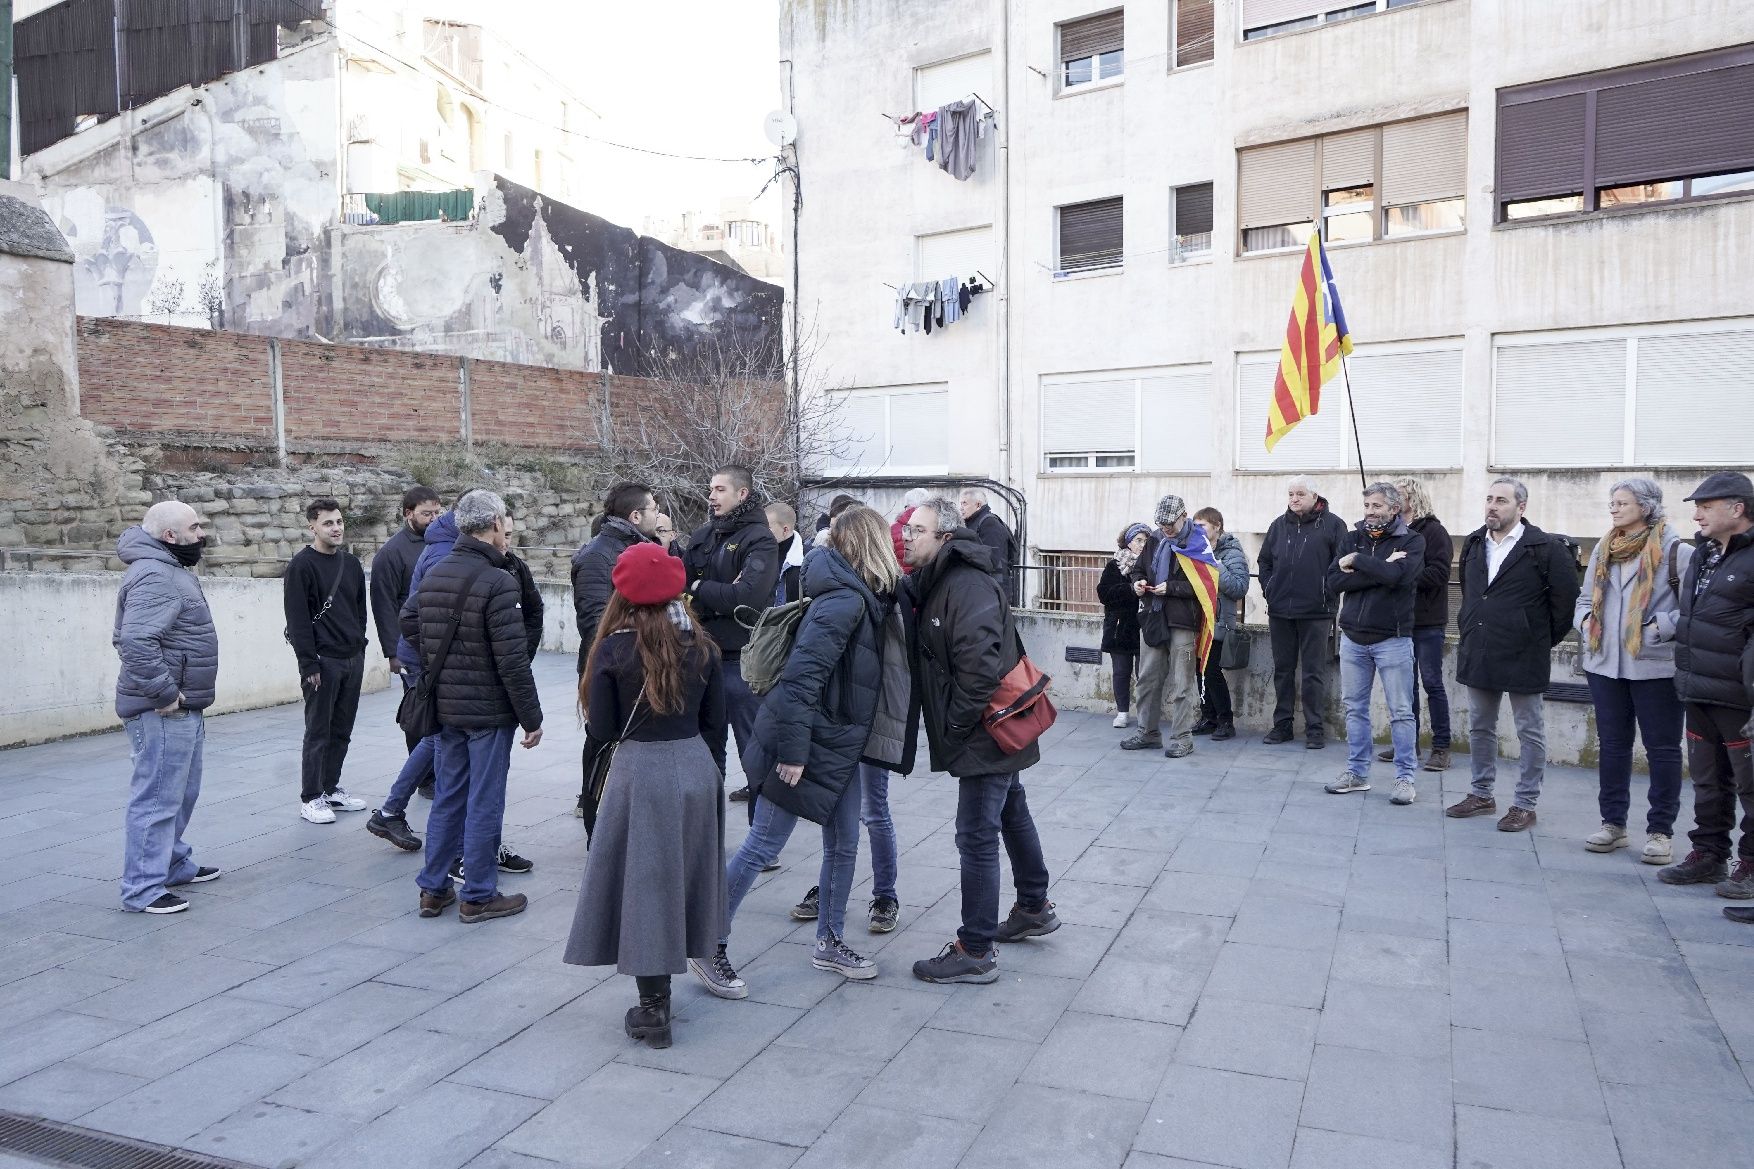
column 819, row 714
column 441, row 537
column 164, row 631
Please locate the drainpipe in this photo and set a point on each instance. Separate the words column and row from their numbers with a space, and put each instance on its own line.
column 1006, row 470
column 5, row 90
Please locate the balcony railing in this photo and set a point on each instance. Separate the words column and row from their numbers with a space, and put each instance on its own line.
column 1067, row 581
column 408, row 207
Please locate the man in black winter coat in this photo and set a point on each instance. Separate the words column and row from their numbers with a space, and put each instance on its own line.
column 732, row 563
column 1430, row 619
column 1519, row 586
column 962, row 643
column 1377, row 572
column 391, row 576
column 1295, row 556
column 1714, row 678
column 992, row 531
column 630, row 516
column 485, row 692
column 324, row 596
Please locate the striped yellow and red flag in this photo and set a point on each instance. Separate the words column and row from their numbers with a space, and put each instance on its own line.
column 1315, row 338
column 1200, row 566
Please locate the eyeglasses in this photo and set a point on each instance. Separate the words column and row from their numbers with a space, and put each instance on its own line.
column 916, row 530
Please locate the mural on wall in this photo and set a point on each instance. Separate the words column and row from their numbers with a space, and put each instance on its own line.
column 115, row 258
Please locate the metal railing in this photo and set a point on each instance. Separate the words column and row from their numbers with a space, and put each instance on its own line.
column 1065, row 582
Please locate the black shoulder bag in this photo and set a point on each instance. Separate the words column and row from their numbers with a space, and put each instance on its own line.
column 599, row 757
column 417, row 714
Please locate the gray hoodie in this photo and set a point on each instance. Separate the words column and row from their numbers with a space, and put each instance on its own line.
column 164, row 632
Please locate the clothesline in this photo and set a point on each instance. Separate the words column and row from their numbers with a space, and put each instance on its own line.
column 991, row 283
column 991, row 109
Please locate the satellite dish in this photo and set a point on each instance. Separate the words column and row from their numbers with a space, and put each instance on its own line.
column 781, row 127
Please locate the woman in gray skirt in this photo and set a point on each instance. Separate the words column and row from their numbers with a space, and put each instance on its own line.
column 653, row 894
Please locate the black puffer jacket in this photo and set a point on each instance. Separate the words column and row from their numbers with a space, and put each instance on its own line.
column 1431, row 600
column 731, row 561
column 819, row 713
column 1294, row 560
column 1509, row 627
column 1714, row 635
column 1120, row 611
column 1379, row 595
column 486, row 680
column 529, row 601
column 963, row 643
column 592, row 565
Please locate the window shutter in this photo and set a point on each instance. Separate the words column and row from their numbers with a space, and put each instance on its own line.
column 1409, row 408
column 1260, row 13
column 1312, row 445
column 1090, row 235
column 1080, row 417
column 1540, row 147
column 1193, row 209
column 1092, row 35
column 948, row 81
column 1673, row 127
column 863, row 423
column 1193, row 32
column 1560, row 404
column 1277, row 184
column 919, row 428
column 953, row 253
column 1349, row 159
column 1424, row 160
column 1686, row 377
column 1176, row 412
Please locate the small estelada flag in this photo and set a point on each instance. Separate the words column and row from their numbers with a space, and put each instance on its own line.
column 1315, row 338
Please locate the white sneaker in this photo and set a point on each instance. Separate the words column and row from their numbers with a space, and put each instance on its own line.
column 1123, row 719
column 1657, row 850
column 317, row 811
column 342, row 802
column 1607, row 838
column 1404, row 792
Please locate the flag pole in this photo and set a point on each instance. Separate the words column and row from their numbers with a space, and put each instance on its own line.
column 1352, row 408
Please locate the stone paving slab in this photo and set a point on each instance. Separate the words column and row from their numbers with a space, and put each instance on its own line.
column 1252, row 974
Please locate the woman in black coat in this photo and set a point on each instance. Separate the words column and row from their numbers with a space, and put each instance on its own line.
column 1120, row 615
column 803, row 757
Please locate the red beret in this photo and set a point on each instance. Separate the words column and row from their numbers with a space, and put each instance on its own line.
column 647, row 575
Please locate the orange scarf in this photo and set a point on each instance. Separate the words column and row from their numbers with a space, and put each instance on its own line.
column 1646, row 549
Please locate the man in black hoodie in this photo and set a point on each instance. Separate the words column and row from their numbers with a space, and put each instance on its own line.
column 962, row 643
column 391, row 575
column 732, row 563
column 324, row 592
column 1378, row 572
column 1295, row 555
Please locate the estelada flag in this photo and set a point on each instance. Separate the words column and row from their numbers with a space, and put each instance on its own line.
column 1315, row 338
column 1200, row 566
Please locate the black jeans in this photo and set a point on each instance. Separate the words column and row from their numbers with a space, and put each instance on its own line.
column 990, row 808
column 1215, row 705
column 1300, row 650
column 1428, row 660
column 741, row 706
column 1123, row 674
column 1650, row 708
column 1723, row 775
column 329, row 714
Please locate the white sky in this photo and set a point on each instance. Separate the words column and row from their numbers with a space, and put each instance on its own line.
column 687, row 76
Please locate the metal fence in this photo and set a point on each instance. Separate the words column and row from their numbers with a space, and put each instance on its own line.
column 1065, row 582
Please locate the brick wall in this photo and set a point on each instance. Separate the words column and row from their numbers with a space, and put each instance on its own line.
column 162, row 379
column 351, row 394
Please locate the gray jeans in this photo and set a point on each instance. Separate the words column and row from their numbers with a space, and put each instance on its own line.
column 1531, row 732
column 1172, row 665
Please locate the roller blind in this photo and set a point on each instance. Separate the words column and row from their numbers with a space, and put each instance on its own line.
column 1409, row 407
column 1080, row 417
column 1193, row 31
column 1684, row 378
column 1313, row 444
column 953, row 253
column 1193, row 209
column 919, row 431
column 1260, row 13
column 1349, row 159
column 1671, row 127
column 1425, row 159
column 948, row 81
column 1090, row 235
column 1560, row 404
column 1175, row 409
column 1540, row 147
column 1090, row 36
column 1276, row 184
column 864, row 425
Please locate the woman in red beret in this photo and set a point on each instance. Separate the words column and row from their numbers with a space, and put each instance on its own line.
column 653, row 894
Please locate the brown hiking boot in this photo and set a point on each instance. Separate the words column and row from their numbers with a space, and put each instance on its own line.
column 433, row 904
column 1696, row 869
column 1472, row 805
column 1739, row 885
column 1438, row 759
column 499, row 906
column 1516, row 819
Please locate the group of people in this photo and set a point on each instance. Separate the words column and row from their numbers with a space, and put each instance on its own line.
column 1666, row 628
column 898, row 620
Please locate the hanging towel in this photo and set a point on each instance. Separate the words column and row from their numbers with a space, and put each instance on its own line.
column 957, row 125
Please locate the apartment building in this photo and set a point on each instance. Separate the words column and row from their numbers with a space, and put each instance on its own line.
column 1540, row 216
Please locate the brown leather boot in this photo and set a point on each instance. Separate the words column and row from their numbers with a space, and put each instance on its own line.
column 433, row 904
column 499, row 906
column 1438, row 760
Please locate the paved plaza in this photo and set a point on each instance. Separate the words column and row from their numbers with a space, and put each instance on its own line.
column 1252, row 974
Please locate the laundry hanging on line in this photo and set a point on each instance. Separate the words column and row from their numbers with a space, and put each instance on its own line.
column 927, row 304
column 950, row 134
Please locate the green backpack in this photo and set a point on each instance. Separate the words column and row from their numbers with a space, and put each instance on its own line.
column 771, row 634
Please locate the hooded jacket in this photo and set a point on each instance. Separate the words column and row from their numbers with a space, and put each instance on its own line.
column 163, row 631
column 1378, row 595
column 895, row 723
column 1233, row 582
column 1431, row 597
column 485, row 681
column 592, row 566
column 1510, row 626
column 732, row 562
column 392, row 568
column 1714, row 636
column 992, row 531
column 819, row 712
column 1295, row 555
column 439, row 542
column 962, row 643
column 898, row 535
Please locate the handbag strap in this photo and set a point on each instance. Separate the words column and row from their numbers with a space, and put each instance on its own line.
column 341, row 555
column 627, row 729
column 450, row 634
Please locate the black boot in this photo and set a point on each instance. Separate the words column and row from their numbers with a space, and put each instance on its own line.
column 1206, row 725
column 650, row 1020
column 1226, row 729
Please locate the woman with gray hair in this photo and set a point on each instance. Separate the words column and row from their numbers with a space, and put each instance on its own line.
column 1626, row 616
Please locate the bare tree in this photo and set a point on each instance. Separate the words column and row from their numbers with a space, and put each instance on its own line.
column 166, row 298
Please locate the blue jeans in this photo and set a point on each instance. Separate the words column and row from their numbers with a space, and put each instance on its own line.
column 468, row 810
column 874, row 781
column 1651, row 706
column 420, row 767
column 1360, row 665
column 161, row 796
column 1428, row 655
column 988, row 808
column 768, row 834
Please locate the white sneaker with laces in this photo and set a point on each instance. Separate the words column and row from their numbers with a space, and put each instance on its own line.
column 317, row 811
column 1405, row 793
column 342, row 802
column 1123, row 719
column 1346, row 783
column 1657, row 850
column 1607, row 838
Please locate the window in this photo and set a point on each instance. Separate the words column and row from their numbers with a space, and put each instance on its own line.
column 1151, row 421
column 948, row 81
column 1622, row 397
column 953, row 253
column 1090, row 49
column 1380, row 182
column 1089, row 236
column 1266, row 18
column 1190, row 222
column 1659, row 133
column 1193, row 33
column 893, row 430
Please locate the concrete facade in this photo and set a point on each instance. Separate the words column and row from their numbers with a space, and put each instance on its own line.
column 1213, row 323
